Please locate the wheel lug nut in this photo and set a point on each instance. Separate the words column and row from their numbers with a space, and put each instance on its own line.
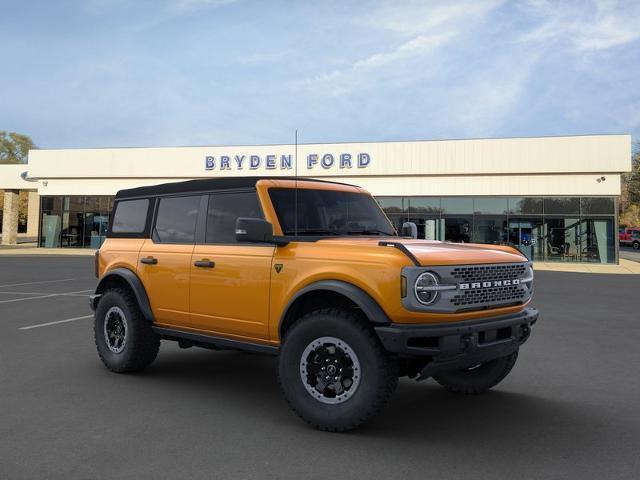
column 322, row 368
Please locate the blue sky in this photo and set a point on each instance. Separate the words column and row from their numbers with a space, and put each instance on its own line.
column 100, row 73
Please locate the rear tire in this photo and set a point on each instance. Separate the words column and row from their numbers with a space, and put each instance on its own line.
column 337, row 342
column 477, row 379
column 123, row 337
column 636, row 245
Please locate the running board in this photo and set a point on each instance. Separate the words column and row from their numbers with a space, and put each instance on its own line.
column 211, row 341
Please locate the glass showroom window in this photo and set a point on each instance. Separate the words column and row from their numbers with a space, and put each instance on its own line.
column 74, row 221
column 50, row 221
column 489, row 229
column 425, row 212
column 598, row 237
column 96, row 221
column 544, row 229
column 458, row 219
column 394, row 208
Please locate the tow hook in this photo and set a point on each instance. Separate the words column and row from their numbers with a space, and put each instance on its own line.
column 465, row 342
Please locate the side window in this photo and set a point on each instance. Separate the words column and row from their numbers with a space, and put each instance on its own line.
column 224, row 209
column 176, row 220
column 130, row 216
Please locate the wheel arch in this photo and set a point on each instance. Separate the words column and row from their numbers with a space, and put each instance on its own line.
column 337, row 293
column 124, row 277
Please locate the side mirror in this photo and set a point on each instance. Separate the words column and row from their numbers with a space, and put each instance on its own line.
column 256, row 230
column 409, row 229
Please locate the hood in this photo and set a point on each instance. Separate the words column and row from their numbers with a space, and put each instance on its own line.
column 431, row 252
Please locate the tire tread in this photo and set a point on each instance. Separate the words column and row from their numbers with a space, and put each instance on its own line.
column 478, row 386
column 388, row 370
column 147, row 342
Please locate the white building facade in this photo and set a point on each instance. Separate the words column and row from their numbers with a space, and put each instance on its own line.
column 553, row 197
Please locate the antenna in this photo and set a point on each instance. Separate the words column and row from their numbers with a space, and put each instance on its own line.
column 295, row 201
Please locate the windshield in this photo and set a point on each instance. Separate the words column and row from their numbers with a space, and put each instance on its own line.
column 329, row 212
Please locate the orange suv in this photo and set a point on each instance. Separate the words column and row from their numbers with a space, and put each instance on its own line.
column 315, row 273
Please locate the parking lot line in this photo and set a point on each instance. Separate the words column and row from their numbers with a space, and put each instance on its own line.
column 47, row 296
column 55, row 323
column 46, row 293
column 34, row 283
column 23, row 293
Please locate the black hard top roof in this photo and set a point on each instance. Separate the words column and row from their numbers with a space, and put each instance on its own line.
column 204, row 185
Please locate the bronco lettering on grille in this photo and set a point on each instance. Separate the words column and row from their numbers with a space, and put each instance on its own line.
column 493, row 283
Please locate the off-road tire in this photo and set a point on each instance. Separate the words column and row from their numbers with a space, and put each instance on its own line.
column 142, row 343
column 636, row 245
column 477, row 380
column 378, row 372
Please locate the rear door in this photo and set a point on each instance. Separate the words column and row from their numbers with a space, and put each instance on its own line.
column 230, row 281
column 164, row 264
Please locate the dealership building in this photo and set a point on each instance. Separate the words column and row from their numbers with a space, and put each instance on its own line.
column 553, row 197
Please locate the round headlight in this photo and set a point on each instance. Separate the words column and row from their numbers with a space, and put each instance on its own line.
column 425, row 293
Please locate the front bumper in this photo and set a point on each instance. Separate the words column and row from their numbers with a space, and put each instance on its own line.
column 459, row 345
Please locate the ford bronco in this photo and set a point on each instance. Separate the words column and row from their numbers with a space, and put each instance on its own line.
column 314, row 272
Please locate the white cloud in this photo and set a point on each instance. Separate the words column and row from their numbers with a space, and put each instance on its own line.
column 415, row 17
column 422, row 27
column 419, row 45
column 339, row 82
column 596, row 26
column 480, row 105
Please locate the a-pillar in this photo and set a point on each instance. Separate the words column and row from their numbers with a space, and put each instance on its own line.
column 10, row 217
column 33, row 214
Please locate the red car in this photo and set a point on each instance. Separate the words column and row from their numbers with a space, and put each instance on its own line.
column 630, row 237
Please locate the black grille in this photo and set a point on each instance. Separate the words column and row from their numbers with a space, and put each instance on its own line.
column 479, row 273
column 513, row 293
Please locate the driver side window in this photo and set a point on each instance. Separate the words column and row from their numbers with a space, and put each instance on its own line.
column 224, row 210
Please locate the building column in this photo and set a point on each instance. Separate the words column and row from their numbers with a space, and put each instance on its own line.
column 10, row 217
column 33, row 214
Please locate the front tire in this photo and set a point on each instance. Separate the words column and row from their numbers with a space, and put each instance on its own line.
column 333, row 371
column 636, row 245
column 477, row 379
column 123, row 337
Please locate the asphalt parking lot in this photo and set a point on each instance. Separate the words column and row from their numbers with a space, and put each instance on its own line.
column 629, row 253
column 569, row 409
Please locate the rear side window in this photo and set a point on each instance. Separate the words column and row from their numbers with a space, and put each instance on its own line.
column 224, row 210
column 130, row 216
column 176, row 220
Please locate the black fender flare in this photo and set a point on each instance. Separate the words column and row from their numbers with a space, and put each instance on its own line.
column 134, row 283
column 374, row 313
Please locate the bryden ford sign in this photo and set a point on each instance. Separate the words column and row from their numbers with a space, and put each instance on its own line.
column 285, row 162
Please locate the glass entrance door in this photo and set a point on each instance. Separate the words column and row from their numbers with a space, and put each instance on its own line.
column 527, row 235
column 596, row 240
column 429, row 227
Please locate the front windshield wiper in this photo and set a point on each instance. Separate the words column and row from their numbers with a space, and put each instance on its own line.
column 369, row 232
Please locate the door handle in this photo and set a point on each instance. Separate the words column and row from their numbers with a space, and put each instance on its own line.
column 204, row 263
column 149, row 260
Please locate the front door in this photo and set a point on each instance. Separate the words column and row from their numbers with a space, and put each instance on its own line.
column 164, row 263
column 230, row 281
